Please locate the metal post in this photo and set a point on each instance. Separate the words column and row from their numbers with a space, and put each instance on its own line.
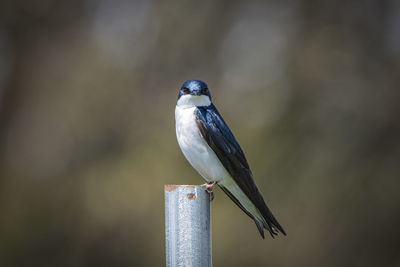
column 187, row 226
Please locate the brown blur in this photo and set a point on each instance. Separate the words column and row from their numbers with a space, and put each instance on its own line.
column 87, row 133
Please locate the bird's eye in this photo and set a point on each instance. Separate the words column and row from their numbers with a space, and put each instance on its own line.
column 205, row 91
column 185, row 90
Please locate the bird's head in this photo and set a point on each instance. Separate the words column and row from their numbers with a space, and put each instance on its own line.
column 194, row 93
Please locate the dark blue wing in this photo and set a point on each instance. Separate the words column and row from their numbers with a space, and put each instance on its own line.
column 219, row 137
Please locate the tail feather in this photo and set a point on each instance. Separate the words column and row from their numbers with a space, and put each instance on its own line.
column 273, row 225
column 260, row 228
column 267, row 221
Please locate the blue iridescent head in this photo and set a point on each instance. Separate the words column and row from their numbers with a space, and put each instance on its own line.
column 195, row 88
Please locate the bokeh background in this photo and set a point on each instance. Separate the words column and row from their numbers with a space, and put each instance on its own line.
column 87, row 133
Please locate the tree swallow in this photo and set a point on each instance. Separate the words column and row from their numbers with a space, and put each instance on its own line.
column 213, row 151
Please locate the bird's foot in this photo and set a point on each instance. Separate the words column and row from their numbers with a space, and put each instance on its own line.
column 209, row 189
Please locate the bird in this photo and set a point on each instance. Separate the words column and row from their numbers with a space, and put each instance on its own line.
column 210, row 147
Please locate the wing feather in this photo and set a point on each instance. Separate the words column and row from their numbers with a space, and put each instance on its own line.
column 221, row 140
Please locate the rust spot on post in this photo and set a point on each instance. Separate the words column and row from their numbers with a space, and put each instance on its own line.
column 191, row 196
column 170, row 187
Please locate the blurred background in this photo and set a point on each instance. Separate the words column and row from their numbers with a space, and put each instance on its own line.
column 87, row 131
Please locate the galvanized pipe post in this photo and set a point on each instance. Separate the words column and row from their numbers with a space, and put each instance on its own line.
column 187, row 226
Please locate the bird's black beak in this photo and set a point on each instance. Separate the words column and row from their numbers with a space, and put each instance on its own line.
column 196, row 92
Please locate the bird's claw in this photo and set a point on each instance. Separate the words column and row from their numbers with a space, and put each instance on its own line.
column 209, row 189
column 211, row 192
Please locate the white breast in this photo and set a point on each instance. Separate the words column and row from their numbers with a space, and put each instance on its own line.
column 195, row 148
